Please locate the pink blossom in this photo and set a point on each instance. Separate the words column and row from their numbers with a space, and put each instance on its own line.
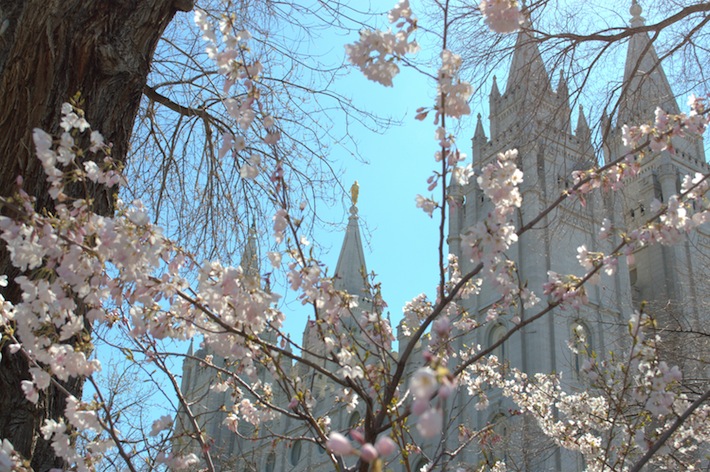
column 423, row 383
column 502, row 16
column 376, row 53
column 280, row 224
column 368, row 453
column 426, row 204
column 251, row 168
column 339, row 444
column 385, row 446
column 7, row 453
column 274, row 258
column 161, row 424
column 401, row 11
column 29, row 390
column 430, row 423
column 227, row 141
column 420, row 405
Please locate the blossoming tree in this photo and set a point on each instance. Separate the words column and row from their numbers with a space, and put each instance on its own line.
column 149, row 98
column 79, row 268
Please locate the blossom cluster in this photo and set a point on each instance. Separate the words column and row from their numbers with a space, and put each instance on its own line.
column 655, row 379
column 502, row 16
column 427, row 385
column 377, row 52
column 453, row 92
column 487, row 241
column 10, row 460
column 658, row 137
column 415, row 312
column 598, row 424
column 340, row 445
column 566, row 290
column 74, row 256
column 499, row 182
column 230, row 52
column 666, row 127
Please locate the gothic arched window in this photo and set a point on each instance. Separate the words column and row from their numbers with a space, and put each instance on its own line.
column 496, row 334
column 296, row 452
column 496, row 439
column 270, row 463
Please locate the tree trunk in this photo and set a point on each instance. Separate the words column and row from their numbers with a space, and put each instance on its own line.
column 49, row 51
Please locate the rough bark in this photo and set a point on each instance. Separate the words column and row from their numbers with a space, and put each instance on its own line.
column 50, row 50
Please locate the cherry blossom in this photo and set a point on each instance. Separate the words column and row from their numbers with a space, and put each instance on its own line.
column 376, row 51
column 124, row 271
column 430, row 423
column 339, row 444
column 161, row 424
column 426, row 204
column 502, row 16
column 454, row 93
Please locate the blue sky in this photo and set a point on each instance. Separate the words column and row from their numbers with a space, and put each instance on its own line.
column 400, row 240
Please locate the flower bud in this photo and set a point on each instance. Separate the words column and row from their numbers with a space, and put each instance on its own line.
column 357, row 435
column 368, row 453
column 420, row 405
column 385, row 445
column 339, row 444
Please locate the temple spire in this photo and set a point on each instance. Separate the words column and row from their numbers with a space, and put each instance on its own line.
column 562, row 89
column 250, row 256
column 480, row 134
column 494, row 99
column 527, row 69
column 645, row 84
column 582, row 125
column 563, row 108
column 582, row 132
column 478, row 141
column 495, row 91
column 636, row 18
column 350, row 272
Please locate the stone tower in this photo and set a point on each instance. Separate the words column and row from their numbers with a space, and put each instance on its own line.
column 265, row 449
column 671, row 281
column 534, row 118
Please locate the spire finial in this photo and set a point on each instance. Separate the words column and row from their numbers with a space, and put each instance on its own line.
column 636, row 10
column 582, row 126
column 562, row 86
column 250, row 257
column 494, row 88
column 354, row 192
column 479, row 134
column 351, row 262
